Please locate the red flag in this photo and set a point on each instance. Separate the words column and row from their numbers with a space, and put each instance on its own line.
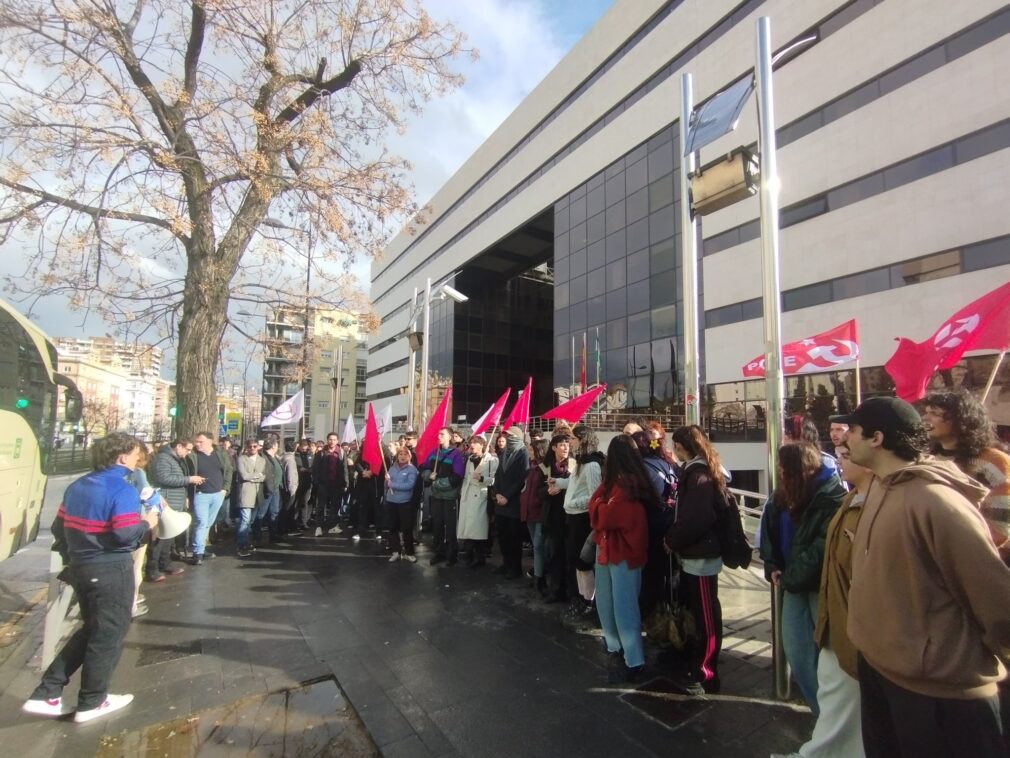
column 822, row 352
column 520, row 413
column 371, row 446
column 492, row 415
column 428, row 440
column 981, row 325
column 573, row 410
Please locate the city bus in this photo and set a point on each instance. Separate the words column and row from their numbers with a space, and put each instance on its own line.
column 30, row 389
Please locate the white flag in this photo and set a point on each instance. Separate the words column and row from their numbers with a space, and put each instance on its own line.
column 350, row 434
column 288, row 412
column 384, row 421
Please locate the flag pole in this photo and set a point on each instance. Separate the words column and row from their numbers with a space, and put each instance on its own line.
column 573, row 360
column 597, row 355
column 859, row 385
column 992, row 376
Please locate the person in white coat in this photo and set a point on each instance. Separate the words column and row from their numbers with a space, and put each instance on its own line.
column 472, row 528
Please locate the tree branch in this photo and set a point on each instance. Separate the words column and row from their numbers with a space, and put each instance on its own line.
column 193, row 49
column 309, row 96
column 89, row 210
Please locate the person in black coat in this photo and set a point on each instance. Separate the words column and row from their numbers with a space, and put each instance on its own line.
column 515, row 462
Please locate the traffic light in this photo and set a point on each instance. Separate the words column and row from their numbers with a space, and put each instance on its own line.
column 171, row 411
column 22, row 403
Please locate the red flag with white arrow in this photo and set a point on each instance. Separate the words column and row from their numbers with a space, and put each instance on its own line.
column 573, row 410
column 822, row 352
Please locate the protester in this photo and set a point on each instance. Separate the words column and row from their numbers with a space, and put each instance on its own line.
column 213, row 466
column 581, row 485
column 657, row 579
column 97, row 528
column 252, row 473
column 617, row 515
column 287, row 524
column 960, row 431
column 794, row 526
column 508, row 485
column 172, row 475
column 693, row 539
column 400, row 492
column 929, row 596
column 270, row 504
column 149, row 498
column 303, row 495
column 479, row 475
column 556, row 468
column 329, row 477
column 444, row 472
column 837, row 733
column 531, row 504
column 367, row 484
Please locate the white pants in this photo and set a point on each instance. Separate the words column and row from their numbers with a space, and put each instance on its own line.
column 838, row 731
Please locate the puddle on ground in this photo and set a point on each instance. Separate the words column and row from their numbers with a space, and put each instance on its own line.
column 312, row 720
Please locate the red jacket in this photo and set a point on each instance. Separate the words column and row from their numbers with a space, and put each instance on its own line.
column 620, row 528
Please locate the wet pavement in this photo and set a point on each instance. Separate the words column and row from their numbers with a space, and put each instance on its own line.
column 322, row 647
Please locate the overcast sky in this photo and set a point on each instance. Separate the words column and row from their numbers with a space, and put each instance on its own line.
column 519, row 42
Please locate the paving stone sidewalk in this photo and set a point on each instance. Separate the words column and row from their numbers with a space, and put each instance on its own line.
column 411, row 660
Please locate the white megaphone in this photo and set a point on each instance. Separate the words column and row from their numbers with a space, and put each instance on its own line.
column 172, row 523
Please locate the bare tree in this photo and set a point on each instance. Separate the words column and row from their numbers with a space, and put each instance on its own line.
column 162, row 160
column 98, row 418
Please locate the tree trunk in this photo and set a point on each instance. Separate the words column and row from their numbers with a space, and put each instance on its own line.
column 201, row 329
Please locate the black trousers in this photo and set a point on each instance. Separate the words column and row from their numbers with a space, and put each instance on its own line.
column 556, row 537
column 443, row 522
column 898, row 723
column 577, row 529
column 363, row 506
column 700, row 595
column 328, row 499
column 510, row 536
column 401, row 523
column 105, row 594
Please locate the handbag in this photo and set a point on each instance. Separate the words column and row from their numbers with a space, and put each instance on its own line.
column 670, row 624
column 588, row 553
column 442, row 488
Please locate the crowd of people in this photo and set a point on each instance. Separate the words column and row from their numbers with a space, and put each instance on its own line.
column 889, row 546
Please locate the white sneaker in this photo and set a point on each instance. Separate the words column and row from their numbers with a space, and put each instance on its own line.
column 394, row 557
column 52, row 707
column 112, row 704
column 319, row 531
column 411, row 558
column 336, row 530
column 356, row 538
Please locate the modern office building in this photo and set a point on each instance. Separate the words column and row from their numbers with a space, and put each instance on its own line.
column 333, row 347
column 563, row 228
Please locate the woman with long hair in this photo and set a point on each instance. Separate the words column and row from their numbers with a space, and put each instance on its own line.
column 531, row 512
column 556, row 468
column 794, row 528
column 617, row 514
column 694, row 540
column 581, row 486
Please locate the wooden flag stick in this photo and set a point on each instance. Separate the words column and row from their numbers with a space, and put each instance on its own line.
column 992, row 376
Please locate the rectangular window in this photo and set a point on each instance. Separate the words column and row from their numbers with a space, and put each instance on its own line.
column 931, row 267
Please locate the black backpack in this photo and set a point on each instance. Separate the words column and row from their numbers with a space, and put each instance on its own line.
column 733, row 545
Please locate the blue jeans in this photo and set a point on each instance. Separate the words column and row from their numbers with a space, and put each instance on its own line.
column 267, row 512
column 799, row 614
column 540, row 547
column 205, row 509
column 617, row 589
column 245, row 518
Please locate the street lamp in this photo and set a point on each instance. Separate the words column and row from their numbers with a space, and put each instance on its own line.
column 420, row 339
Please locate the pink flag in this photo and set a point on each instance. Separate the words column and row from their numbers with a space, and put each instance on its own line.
column 573, row 410
column 371, row 447
column 520, row 413
column 822, row 352
column 981, row 325
column 428, row 440
column 492, row 415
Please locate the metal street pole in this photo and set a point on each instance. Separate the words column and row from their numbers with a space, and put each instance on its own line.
column 412, row 327
column 771, row 297
column 337, row 385
column 689, row 260
column 305, row 342
column 425, row 351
